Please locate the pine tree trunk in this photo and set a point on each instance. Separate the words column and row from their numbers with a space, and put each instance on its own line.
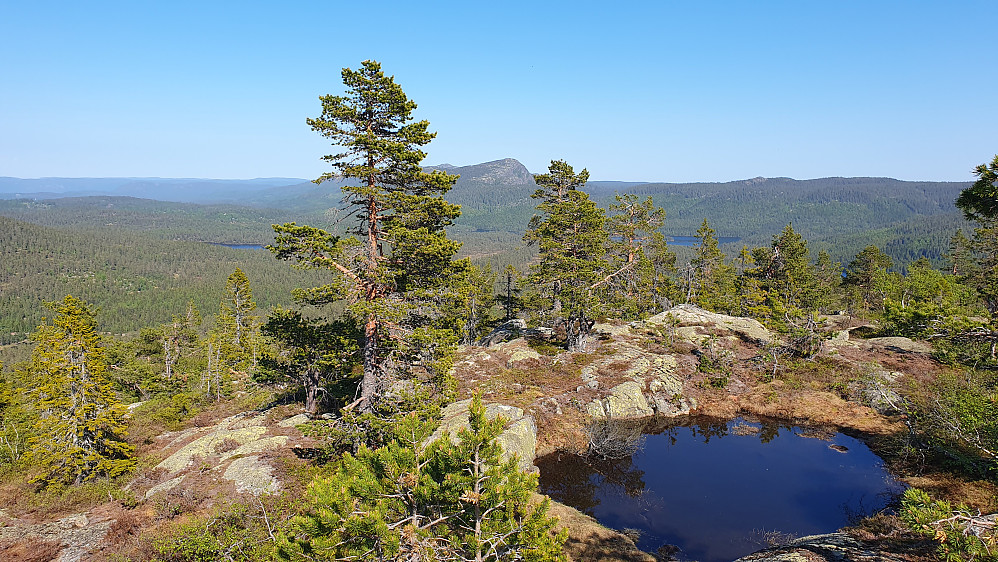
column 577, row 330
column 311, row 398
column 369, row 384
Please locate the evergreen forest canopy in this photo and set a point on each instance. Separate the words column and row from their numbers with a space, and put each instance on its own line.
column 362, row 312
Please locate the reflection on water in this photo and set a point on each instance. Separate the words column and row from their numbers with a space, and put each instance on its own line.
column 713, row 487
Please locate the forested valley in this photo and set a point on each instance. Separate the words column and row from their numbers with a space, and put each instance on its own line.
column 296, row 402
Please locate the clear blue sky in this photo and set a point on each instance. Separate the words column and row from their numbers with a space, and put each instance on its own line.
column 640, row 91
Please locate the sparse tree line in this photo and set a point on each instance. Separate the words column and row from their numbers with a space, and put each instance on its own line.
column 404, row 302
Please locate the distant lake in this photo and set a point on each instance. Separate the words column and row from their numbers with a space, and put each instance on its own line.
column 241, row 246
column 695, row 240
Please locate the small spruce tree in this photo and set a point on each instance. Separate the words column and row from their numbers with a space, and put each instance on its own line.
column 414, row 499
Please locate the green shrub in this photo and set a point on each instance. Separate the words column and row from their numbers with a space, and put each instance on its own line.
column 961, row 533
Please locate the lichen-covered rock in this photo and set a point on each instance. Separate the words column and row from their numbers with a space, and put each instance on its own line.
column 611, row 329
column 897, row 343
column 209, row 445
column 626, row 400
column 250, row 474
column 691, row 334
column 257, row 446
column 670, row 405
column 163, row 487
column 747, row 328
column 294, row 421
column 77, row 535
column 655, row 387
column 658, row 371
column 518, row 355
column 515, row 351
column 519, row 437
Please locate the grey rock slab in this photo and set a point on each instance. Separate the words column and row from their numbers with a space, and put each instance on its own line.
column 611, row 329
column 691, row 334
column 690, row 314
column 902, row 344
column 77, row 534
column 626, row 400
column 294, row 421
column 824, row 548
column 250, row 474
column 208, row 444
column 164, row 487
column 257, row 446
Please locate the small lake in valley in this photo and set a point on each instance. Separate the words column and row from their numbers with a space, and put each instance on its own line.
column 716, row 488
column 695, row 240
column 241, row 246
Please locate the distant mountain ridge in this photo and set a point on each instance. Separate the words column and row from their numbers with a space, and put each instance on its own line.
column 507, row 171
column 840, row 214
column 181, row 190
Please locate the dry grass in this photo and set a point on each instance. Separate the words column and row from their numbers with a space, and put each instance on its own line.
column 590, row 541
column 30, row 550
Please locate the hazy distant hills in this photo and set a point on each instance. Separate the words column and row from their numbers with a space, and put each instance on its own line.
column 908, row 219
column 183, row 190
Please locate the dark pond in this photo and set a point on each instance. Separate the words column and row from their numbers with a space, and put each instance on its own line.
column 716, row 488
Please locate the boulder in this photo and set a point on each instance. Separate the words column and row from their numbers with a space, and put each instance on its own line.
column 504, row 332
column 827, row 548
column 294, row 421
column 519, row 437
column 746, row 328
column 905, row 345
column 626, row 400
column 210, row 444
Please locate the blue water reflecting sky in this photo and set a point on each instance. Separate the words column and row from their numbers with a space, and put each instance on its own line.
column 714, row 493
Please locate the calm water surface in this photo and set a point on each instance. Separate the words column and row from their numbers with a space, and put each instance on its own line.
column 241, row 246
column 714, row 493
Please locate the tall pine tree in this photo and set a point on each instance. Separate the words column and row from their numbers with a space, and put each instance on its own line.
column 573, row 272
column 642, row 256
column 399, row 259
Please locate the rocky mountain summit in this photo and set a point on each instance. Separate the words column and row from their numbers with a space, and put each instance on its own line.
column 507, row 171
column 646, row 372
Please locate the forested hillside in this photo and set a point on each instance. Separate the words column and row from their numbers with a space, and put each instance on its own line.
column 907, row 220
column 841, row 215
column 228, row 224
column 134, row 280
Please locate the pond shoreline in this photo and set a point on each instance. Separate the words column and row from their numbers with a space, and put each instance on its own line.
column 722, row 488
